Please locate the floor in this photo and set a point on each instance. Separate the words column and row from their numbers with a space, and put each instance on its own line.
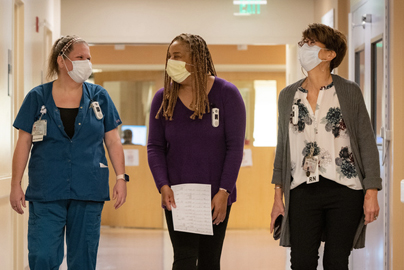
column 143, row 249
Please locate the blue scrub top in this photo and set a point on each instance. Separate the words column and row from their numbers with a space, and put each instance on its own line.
column 62, row 168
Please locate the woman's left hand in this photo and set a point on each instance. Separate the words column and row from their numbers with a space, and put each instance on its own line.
column 371, row 206
column 119, row 193
column 219, row 206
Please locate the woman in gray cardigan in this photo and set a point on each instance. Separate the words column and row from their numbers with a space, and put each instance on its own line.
column 327, row 163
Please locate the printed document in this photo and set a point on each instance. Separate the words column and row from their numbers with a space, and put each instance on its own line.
column 193, row 212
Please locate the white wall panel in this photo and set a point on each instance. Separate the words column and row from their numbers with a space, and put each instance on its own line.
column 159, row 21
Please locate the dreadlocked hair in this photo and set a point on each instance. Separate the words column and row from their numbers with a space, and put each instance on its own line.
column 203, row 66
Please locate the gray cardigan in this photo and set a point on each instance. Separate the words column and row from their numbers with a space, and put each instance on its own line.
column 362, row 140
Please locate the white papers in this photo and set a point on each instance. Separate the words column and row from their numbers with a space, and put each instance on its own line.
column 131, row 157
column 193, row 212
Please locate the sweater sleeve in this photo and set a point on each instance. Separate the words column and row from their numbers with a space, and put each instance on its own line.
column 157, row 144
column 366, row 141
column 235, row 122
column 277, row 172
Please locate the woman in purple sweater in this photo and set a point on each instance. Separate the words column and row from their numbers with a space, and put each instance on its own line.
column 187, row 144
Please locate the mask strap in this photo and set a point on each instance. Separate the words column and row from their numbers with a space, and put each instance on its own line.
column 189, row 65
column 65, row 62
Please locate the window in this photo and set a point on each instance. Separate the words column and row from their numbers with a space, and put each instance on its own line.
column 265, row 112
column 377, row 87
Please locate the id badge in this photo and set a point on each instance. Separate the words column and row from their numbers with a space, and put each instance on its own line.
column 39, row 130
column 311, row 168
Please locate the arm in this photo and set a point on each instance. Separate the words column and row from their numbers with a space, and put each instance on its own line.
column 278, row 207
column 20, row 158
column 115, row 152
column 235, row 122
column 277, row 172
column 156, row 153
column 370, row 160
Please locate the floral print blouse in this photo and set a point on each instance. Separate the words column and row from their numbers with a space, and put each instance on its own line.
column 323, row 130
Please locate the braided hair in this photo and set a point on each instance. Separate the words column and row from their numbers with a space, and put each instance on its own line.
column 63, row 46
column 203, row 66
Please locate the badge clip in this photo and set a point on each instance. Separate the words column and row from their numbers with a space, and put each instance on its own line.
column 97, row 110
column 215, row 117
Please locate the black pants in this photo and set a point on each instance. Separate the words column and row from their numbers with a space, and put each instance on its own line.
column 196, row 251
column 326, row 209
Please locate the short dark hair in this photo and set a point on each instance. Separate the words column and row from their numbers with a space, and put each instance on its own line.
column 332, row 39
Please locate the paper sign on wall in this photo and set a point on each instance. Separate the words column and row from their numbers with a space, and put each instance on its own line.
column 131, row 157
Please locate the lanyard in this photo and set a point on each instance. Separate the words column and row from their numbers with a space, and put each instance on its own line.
column 42, row 111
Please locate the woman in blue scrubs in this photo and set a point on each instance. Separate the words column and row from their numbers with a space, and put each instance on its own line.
column 64, row 124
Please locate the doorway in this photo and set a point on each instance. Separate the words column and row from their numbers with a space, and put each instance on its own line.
column 370, row 44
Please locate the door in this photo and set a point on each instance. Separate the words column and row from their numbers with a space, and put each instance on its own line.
column 368, row 45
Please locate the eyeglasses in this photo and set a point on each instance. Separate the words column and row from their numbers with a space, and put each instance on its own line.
column 309, row 42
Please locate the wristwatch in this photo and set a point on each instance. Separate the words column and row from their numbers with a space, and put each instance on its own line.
column 124, row 177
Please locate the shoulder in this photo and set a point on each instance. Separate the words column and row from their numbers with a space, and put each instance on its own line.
column 158, row 96
column 40, row 92
column 95, row 90
column 225, row 85
column 345, row 85
column 226, row 89
column 159, row 93
column 289, row 91
column 157, row 99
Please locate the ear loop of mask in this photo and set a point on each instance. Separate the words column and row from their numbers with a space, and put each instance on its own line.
column 64, row 62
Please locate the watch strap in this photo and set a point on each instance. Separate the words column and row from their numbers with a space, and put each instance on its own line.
column 124, row 177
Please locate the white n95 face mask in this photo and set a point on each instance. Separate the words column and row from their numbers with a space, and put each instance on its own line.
column 177, row 71
column 308, row 56
column 81, row 71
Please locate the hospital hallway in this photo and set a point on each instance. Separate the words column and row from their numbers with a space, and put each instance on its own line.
column 145, row 249
column 254, row 45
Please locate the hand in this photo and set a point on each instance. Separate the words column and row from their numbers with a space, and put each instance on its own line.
column 17, row 199
column 219, row 206
column 167, row 197
column 371, row 206
column 119, row 193
column 277, row 209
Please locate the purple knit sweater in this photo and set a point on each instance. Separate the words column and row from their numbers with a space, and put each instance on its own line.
column 193, row 151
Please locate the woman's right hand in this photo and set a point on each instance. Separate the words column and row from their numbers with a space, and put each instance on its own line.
column 17, row 199
column 167, row 197
column 277, row 209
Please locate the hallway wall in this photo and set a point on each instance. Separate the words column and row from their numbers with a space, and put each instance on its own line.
column 13, row 251
column 396, row 21
column 140, row 22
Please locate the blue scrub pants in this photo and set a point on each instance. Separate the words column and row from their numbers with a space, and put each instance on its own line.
column 46, row 227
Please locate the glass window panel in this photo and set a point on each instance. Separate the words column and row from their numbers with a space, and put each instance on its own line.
column 377, row 87
column 360, row 69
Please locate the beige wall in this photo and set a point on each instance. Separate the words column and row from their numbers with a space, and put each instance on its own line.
column 27, row 65
column 158, row 21
column 397, row 111
column 156, row 55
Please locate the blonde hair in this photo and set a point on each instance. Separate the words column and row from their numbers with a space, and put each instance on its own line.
column 203, row 66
